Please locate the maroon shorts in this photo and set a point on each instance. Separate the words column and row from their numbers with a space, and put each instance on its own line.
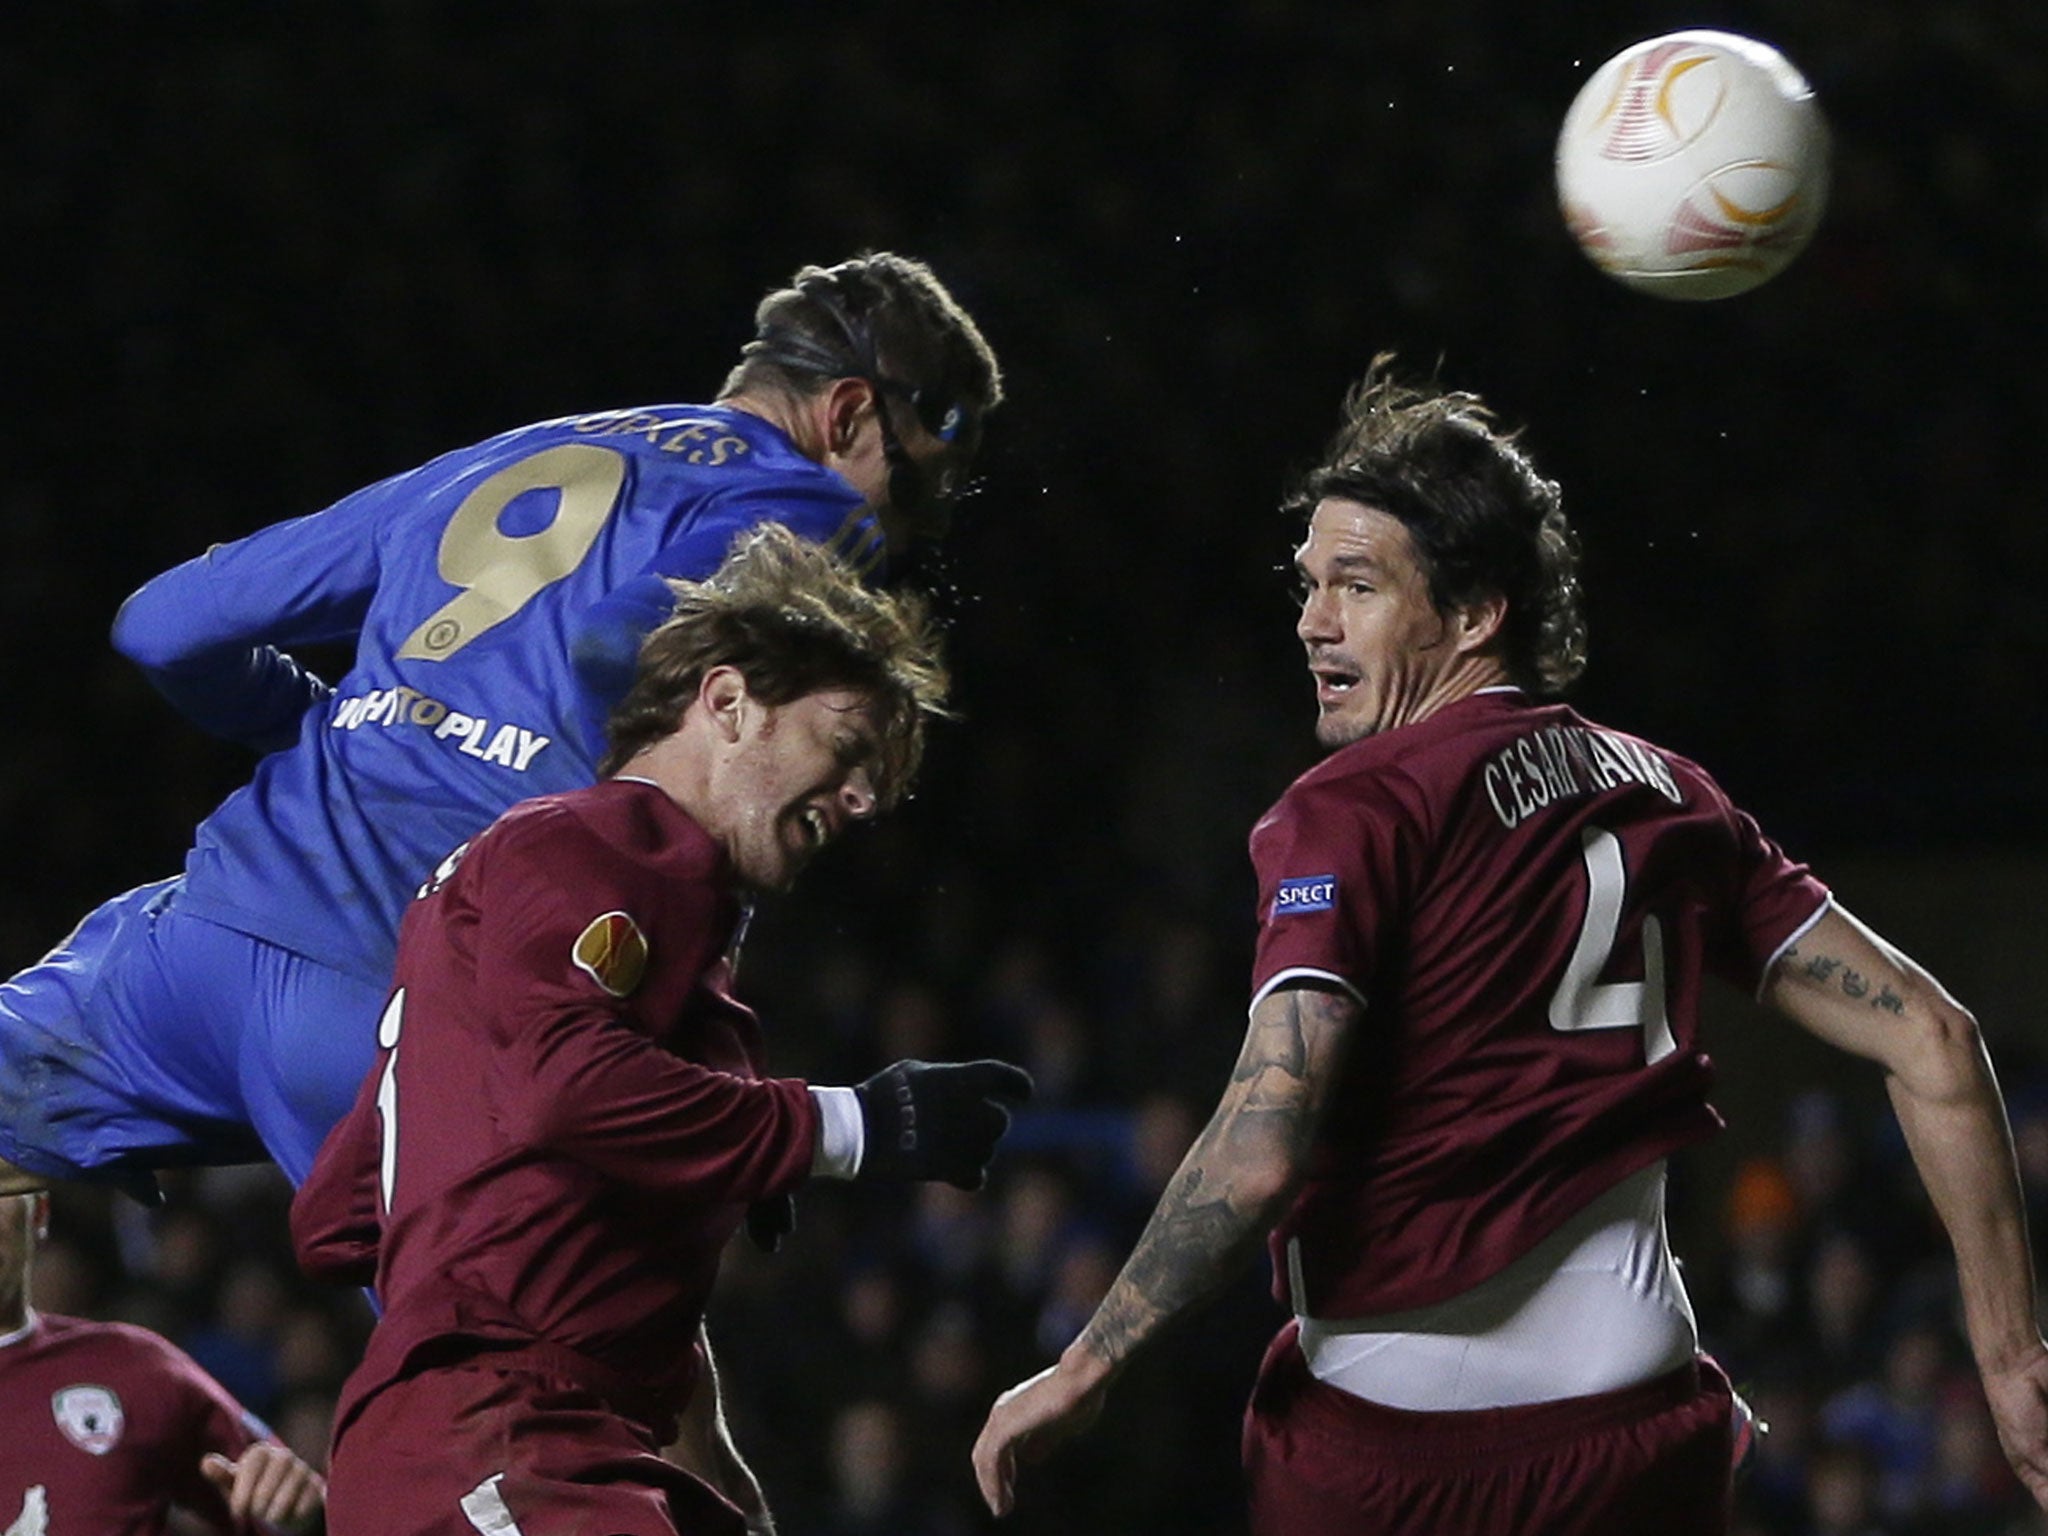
column 465, row 1449
column 1649, row 1458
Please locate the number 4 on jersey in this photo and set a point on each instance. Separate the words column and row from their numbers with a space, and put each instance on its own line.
column 1582, row 1000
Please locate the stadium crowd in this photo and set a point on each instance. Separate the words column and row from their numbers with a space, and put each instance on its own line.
column 858, row 1361
column 1105, row 951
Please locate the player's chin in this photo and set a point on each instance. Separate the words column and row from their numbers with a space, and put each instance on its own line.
column 777, row 869
column 1338, row 728
column 783, row 878
column 769, row 872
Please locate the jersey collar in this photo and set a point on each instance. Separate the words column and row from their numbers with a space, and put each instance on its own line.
column 34, row 1322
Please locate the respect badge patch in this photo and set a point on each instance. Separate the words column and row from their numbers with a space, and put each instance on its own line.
column 1305, row 893
column 614, row 952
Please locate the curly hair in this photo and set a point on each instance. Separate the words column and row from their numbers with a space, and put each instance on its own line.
column 794, row 620
column 1482, row 519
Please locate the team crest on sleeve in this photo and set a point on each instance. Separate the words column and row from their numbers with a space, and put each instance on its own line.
column 1305, row 893
column 90, row 1417
column 613, row 951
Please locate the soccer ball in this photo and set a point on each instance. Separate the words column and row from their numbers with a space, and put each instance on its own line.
column 1693, row 166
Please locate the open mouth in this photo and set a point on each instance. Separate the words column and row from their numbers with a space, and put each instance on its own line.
column 1333, row 684
column 817, row 829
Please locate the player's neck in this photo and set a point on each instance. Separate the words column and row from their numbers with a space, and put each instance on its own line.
column 783, row 413
column 673, row 768
column 1472, row 674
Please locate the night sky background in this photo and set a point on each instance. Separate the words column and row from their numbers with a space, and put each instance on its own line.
column 264, row 254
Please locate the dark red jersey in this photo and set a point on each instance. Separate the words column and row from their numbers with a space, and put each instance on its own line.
column 1527, row 904
column 105, row 1429
column 565, row 1121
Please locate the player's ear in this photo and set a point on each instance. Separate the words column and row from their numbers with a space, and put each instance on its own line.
column 1476, row 624
column 847, row 403
column 722, row 695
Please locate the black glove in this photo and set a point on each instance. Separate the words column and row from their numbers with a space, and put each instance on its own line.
column 937, row 1120
column 769, row 1221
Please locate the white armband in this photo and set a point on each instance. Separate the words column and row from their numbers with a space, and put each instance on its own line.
column 842, row 1138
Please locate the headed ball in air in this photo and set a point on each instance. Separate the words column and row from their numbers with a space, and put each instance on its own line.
column 1693, row 166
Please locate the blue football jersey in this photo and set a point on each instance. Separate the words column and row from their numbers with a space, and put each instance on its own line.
column 496, row 597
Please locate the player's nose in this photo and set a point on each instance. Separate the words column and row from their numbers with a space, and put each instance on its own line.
column 857, row 795
column 1318, row 620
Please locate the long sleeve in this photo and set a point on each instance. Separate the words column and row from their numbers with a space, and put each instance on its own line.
column 211, row 634
column 334, row 1217
column 617, row 1102
column 652, row 1084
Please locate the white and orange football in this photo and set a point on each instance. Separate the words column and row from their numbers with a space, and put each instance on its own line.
column 1693, row 165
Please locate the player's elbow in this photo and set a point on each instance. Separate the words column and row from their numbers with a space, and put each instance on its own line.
column 334, row 1231
column 603, row 658
column 139, row 633
column 1269, row 1188
column 604, row 641
column 594, row 649
column 152, row 629
column 1264, row 1171
column 338, row 1258
column 1942, row 1056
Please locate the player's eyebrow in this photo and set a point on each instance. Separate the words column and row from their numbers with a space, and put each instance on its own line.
column 857, row 736
column 1345, row 565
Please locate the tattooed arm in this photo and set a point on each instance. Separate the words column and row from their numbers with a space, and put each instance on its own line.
column 1852, row 989
column 1234, row 1183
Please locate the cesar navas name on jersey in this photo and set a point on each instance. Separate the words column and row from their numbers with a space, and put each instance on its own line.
column 1563, row 761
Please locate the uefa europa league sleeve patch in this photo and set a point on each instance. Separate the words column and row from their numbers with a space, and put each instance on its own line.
column 613, row 951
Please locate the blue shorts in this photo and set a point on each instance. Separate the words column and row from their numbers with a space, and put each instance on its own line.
column 154, row 1039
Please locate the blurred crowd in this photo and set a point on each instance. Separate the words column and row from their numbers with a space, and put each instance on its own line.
column 270, row 254
column 1831, row 1299
column 858, row 1362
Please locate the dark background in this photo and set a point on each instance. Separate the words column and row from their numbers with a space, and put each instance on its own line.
column 264, row 254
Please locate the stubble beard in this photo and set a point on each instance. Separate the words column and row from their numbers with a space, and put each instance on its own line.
column 1334, row 731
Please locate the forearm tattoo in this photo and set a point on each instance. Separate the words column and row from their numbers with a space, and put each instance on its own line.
column 1217, row 1208
column 1828, row 970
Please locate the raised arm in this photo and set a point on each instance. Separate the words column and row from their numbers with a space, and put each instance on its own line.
column 211, row 634
column 1234, row 1183
column 1853, row 990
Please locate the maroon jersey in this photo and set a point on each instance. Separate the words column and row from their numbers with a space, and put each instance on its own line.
column 105, row 1429
column 565, row 1122
column 1526, row 904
